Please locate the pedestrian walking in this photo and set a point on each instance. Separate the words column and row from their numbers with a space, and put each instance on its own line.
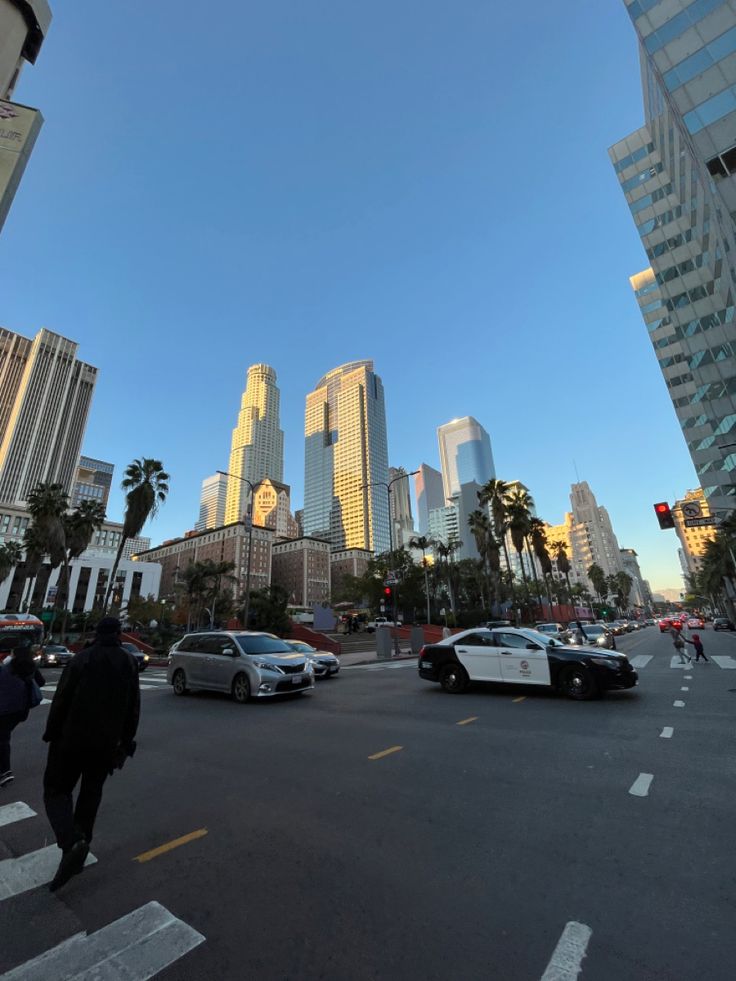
column 91, row 731
column 679, row 645
column 20, row 691
column 698, row 645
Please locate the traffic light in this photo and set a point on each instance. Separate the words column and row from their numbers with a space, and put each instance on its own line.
column 387, row 592
column 664, row 515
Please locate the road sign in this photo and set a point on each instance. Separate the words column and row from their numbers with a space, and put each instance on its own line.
column 692, row 509
column 390, row 581
column 700, row 522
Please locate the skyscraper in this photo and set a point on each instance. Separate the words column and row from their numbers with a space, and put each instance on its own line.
column 465, row 454
column 45, row 395
column 594, row 540
column 346, row 459
column 678, row 173
column 429, row 493
column 693, row 540
column 212, row 502
column 257, row 449
column 92, row 482
column 402, row 527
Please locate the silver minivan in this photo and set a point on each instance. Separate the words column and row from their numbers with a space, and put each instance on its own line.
column 247, row 664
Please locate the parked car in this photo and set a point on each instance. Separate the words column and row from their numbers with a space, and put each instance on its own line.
column 521, row 656
column 55, row 655
column 325, row 663
column 373, row 625
column 141, row 658
column 722, row 623
column 247, row 664
column 595, row 635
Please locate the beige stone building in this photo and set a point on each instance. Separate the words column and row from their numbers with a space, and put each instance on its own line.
column 226, row 544
column 693, row 540
column 271, row 508
column 302, row 568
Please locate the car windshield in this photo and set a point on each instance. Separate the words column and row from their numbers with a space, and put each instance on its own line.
column 55, row 648
column 262, row 644
column 299, row 645
column 592, row 630
column 545, row 628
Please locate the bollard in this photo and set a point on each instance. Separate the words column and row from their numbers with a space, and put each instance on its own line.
column 383, row 643
column 417, row 639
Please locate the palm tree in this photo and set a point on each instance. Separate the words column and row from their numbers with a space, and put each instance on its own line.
column 11, row 555
column 624, row 582
column 519, row 504
column 538, row 539
column 598, row 578
column 423, row 542
column 193, row 582
column 146, row 484
column 493, row 494
column 47, row 504
column 444, row 552
column 559, row 552
column 34, row 546
column 79, row 527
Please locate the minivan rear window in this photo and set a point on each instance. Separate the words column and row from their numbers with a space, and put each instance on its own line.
column 253, row 644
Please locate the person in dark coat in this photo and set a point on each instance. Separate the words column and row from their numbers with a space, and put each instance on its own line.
column 91, row 731
column 17, row 674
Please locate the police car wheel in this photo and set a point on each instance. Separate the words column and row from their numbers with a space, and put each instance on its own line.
column 454, row 679
column 578, row 683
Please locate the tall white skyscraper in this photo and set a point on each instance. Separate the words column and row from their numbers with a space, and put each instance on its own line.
column 212, row 502
column 595, row 541
column 45, row 395
column 346, row 459
column 257, row 448
column 465, row 454
column 402, row 527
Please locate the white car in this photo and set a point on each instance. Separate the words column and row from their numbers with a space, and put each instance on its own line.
column 325, row 663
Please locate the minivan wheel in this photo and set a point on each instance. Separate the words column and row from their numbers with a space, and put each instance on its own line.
column 179, row 683
column 241, row 689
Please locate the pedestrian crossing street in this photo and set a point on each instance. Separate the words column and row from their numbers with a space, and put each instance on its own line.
column 152, row 679
column 137, row 946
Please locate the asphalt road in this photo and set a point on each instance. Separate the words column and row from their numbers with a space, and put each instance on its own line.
column 499, row 817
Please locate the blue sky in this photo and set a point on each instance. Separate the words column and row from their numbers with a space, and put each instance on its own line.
column 423, row 183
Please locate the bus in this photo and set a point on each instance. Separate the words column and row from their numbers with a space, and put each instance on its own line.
column 15, row 625
column 301, row 614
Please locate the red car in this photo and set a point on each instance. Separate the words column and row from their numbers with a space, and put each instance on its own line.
column 664, row 626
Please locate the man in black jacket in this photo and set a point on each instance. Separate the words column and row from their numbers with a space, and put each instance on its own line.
column 90, row 730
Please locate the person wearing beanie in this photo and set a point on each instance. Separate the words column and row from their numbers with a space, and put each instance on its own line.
column 91, row 731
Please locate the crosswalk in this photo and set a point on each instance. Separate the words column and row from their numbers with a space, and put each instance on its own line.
column 135, row 947
column 383, row 666
column 727, row 663
column 153, row 679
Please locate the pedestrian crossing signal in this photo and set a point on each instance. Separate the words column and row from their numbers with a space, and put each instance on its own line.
column 664, row 515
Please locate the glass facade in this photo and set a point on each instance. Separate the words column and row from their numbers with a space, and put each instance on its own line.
column 346, row 460
column 465, row 454
column 675, row 173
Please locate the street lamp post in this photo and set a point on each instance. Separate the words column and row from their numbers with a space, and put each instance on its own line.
column 388, row 485
column 245, row 480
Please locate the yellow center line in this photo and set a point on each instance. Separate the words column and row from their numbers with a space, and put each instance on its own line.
column 519, row 699
column 464, row 722
column 162, row 849
column 385, row 752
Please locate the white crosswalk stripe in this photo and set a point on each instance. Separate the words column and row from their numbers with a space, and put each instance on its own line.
column 135, row 947
column 380, row 667
column 149, row 681
column 724, row 662
column 10, row 813
column 18, row 875
column 641, row 661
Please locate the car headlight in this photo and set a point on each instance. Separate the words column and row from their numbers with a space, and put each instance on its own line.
column 605, row 662
column 602, row 640
column 267, row 666
column 146, row 657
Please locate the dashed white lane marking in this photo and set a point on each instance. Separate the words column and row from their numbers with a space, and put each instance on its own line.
column 675, row 662
column 640, row 787
column 10, row 813
column 687, row 677
column 135, row 947
column 18, row 875
column 678, row 704
column 567, row 959
column 724, row 662
column 684, row 688
column 666, row 733
column 641, row 660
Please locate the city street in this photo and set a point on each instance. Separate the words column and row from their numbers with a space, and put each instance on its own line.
column 379, row 828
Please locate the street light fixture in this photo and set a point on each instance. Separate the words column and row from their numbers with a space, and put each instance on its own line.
column 245, row 480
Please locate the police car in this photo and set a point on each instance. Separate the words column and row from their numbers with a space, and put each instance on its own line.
column 520, row 656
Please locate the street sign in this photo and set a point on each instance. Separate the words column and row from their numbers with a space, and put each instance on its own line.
column 390, row 581
column 700, row 522
column 691, row 509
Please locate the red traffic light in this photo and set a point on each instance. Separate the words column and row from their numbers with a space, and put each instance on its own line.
column 387, row 590
column 664, row 515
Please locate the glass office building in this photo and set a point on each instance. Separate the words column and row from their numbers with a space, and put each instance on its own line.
column 678, row 173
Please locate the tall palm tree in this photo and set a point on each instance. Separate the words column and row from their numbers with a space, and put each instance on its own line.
column 423, row 543
column 518, row 509
column 34, row 546
column 47, row 504
column 493, row 494
column 598, row 579
column 11, row 555
column 444, row 552
column 79, row 527
column 538, row 539
column 147, row 485
column 559, row 552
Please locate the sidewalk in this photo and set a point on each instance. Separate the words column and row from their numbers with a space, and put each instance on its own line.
column 371, row 657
